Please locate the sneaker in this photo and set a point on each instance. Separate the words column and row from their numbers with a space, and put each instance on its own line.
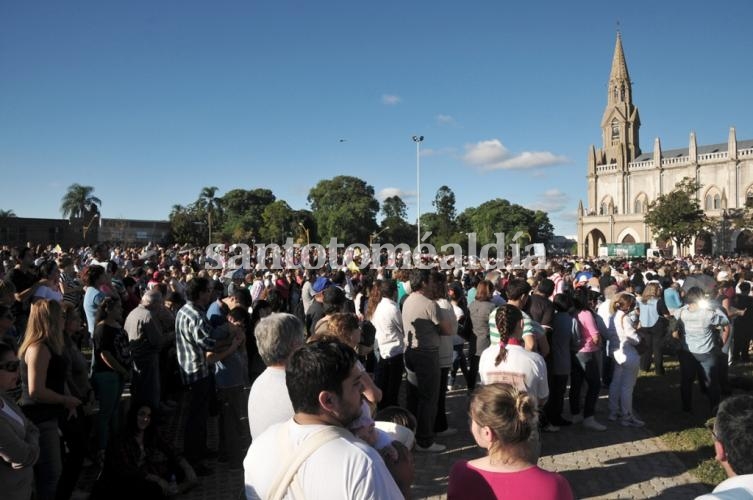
column 632, row 421
column 433, row 448
column 449, row 387
column 591, row 423
column 550, row 428
column 614, row 416
column 447, row 432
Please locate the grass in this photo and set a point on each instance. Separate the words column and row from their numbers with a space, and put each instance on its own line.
column 657, row 400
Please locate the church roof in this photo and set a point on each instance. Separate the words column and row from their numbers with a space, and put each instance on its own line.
column 711, row 148
column 619, row 66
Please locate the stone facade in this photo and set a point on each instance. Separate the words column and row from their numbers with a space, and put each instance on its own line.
column 622, row 180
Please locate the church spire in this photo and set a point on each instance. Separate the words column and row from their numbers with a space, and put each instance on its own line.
column 619, row 66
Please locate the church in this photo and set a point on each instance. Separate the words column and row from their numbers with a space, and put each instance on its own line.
column 623, row 180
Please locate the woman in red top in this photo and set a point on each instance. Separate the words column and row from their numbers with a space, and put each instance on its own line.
column 502, row 419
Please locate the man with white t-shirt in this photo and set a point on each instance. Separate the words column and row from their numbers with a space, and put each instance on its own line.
column 277, row 337
column 313, row 455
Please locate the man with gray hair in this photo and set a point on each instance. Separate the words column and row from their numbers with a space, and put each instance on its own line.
column 145, row 340
column 277, row 337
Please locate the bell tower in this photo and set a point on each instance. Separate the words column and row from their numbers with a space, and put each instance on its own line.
column 620, row 123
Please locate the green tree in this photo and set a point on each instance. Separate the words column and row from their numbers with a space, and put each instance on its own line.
column 7, row 213
column 344, row 207
column 79, row 201
column 211, row 205
column 187, row 225
column 243, row 211
column 677, row 215
column 394, row 227
column 278, row 220
column 394, row 208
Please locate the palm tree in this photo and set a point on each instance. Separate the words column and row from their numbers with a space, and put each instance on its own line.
column 176, row 209
column 7, row 213
column 78, row 200
column 212, row 204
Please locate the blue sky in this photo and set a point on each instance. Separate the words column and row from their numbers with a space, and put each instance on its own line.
column 149, row 101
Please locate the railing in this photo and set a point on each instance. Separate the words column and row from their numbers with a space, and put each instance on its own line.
column 742, row 153
column 720, row 155
column 612, row 167
column 666, row 162
column 641, row 165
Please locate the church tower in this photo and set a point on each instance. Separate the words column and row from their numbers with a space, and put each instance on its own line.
column 620, row 123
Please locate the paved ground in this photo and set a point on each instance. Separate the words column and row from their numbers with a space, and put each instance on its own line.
column 618, row 463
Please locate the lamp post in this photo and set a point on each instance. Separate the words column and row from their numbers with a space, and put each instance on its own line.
column 418, row 139
column 305, row 230
column 373, row 236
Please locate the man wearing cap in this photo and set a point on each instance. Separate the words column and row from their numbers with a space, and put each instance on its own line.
column 316, row 309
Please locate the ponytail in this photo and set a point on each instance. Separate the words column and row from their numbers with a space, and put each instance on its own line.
column 507, row 317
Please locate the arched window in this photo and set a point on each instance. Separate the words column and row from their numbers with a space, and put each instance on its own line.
column 603, row 209
column 622, row 92
column 614, row 93
column 645, row 206
column 709, row 202
column 717, row 202
column 749, row 199
column 638, row 206
column 615, row 130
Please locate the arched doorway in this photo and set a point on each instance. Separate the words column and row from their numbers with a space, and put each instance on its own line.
column 703, row 244
column 628, row 239
column 594, row 239
column 744, row 244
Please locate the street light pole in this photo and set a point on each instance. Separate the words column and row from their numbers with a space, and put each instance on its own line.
column 418, row 139
column 373, row 236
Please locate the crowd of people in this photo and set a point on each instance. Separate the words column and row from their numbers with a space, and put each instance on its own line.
column 306, row 368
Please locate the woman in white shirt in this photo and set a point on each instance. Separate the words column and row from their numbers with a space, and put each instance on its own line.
column 384, row 314
column 626, row 363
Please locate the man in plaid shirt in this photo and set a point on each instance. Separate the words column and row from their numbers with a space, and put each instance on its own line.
column 194, row 339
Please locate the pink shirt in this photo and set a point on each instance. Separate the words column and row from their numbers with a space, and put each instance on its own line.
column 590, row 331
column 467, row 481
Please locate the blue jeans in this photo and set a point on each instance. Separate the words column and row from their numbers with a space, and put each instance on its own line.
column 706, row 368
column 49, row 466
column 108, row 386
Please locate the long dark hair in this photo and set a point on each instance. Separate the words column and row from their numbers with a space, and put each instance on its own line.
column 380, row 289
column 506, row 318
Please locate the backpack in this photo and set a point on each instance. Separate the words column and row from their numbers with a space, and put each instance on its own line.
column 576, row 335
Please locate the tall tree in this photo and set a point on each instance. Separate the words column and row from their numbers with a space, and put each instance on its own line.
column 243, row 210
column 344, row 207
column 79, row 201
column 394, row 207
column 278, row 220
column 677, row 215
column 209, row 202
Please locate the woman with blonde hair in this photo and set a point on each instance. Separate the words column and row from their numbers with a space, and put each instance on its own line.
column 626, row 362
column 502, row 421
column 44, row 399
column 654, row 321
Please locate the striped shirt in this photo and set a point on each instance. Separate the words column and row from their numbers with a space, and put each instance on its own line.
column 193, row 338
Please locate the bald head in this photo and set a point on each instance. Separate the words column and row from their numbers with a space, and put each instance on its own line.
column 151, row 299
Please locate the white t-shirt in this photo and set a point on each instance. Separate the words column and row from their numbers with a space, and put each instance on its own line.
column 732, row 488
column 339, row 469
column 524, row 370
column 268, row 401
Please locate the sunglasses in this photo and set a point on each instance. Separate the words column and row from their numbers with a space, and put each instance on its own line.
column 10, row 366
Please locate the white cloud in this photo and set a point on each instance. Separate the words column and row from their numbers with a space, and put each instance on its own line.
column 445, row 119
column 551, row 201
column 393, row 191
column 493, row 155
column 390, row 99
